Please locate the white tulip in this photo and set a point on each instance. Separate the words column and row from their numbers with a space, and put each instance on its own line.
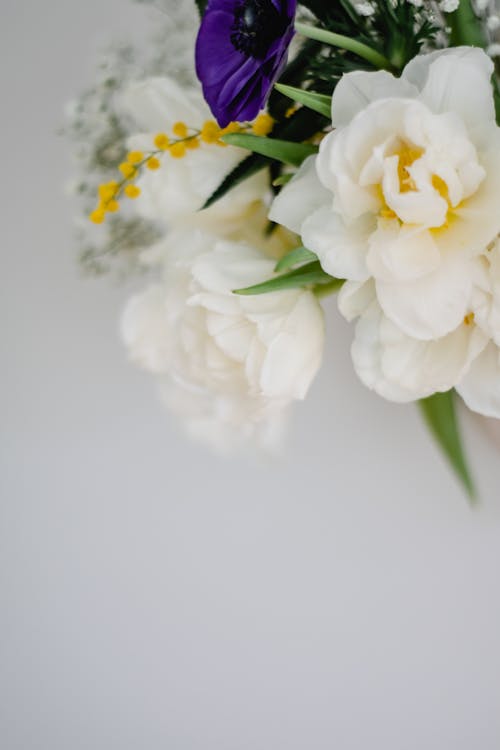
column 407, row 187
column 238, row 360
column 402, row 201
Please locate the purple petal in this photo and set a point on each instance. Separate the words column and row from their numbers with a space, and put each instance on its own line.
column 235, row 83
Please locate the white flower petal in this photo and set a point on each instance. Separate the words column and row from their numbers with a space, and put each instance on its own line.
column 341, row 248
column 356, row 90
column 455, row 80
column 300, row 197
column 431, row 306
column 355, row 297
column 401, row 253
column 155, row 104
column 401, row 368
column 480, row 388
column 144, row 332
column 294, row 355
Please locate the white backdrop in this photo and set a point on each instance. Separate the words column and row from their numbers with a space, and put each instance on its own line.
column 153, row 596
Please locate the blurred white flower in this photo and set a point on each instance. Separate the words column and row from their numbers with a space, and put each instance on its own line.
column 230, row 361
column 174, row 193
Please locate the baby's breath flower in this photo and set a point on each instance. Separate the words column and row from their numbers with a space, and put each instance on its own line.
column 449, row 6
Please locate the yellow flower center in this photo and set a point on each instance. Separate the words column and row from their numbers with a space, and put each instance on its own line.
column 407, row 156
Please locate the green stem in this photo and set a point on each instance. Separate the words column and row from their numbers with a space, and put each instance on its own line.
column 466, row 28
column 343, row 42
column 330, row 287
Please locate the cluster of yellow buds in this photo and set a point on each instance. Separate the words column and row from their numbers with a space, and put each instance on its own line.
column 263, row 124
column 183, row 138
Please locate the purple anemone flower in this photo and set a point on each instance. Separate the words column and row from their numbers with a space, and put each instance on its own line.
column 241, row 50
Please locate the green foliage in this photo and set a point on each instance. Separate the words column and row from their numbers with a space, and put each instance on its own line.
column 201, row 5
column 245, row 169
column 396, row 30
column 302, row 125
column 294, row 258
column 308, row 275
column 320, row 103
column 345, row 43
column 439, row 413
column 286, row 152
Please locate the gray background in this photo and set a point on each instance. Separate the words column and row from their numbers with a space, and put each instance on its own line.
column 153, row 596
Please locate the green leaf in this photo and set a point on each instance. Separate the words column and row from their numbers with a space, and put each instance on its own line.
column 439, row 413
column 317, row 102
column 287, row 152
column 245, row 169
column 201, row 5
column 343, row 42
column 302, row 125
column 312, row 273
column 294, row 257
column 283, row 179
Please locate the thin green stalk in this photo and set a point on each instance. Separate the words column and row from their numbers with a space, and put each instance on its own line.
column 343, row 42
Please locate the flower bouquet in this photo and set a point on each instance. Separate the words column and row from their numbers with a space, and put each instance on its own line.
column 264, row 155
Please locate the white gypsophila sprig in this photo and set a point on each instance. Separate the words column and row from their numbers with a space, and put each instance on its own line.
column 98, row 131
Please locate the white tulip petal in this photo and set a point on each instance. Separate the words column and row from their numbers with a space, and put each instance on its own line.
column 401, row 253
column 431, row 306
column 300, row 197
column 458, row 81
column 144, row 330
column 480, row 388
column 355, row 297
column 341, row 248
column 355, row 91
column 155, row 104
column 401, row 368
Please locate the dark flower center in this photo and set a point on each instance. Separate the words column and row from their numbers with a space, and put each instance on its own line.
column 256, row 25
